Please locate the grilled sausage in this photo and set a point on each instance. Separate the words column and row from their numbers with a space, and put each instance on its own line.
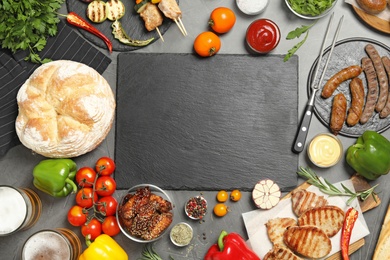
column 357, row 101
column 381, row 76
column 341, row 76
column 339, row 111
column 372, row 89
column 386, row 110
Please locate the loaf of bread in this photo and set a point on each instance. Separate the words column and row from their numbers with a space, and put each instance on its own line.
column 66, row 109
column 372, row 6
column 383, row 245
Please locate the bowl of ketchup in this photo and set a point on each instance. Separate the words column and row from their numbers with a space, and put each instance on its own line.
column 262, row 36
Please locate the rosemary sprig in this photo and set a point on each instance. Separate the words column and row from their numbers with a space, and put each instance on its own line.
column 328, row 188
column 148, row 253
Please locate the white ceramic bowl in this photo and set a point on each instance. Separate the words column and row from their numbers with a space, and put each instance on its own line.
column 310, row 17
column 176, row 232
column 200, row 203
column 155, row 190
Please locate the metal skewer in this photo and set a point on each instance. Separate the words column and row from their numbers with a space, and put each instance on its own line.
column 300, row 138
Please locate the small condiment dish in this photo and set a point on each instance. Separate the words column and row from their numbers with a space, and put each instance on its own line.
column 325, row 150
column 262, row 36
column 196, row 207
column 181, row 234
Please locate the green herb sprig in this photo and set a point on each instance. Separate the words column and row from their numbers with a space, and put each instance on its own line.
column 328, row 188
column 296, row 33
column 26, row 25
column 148, row 253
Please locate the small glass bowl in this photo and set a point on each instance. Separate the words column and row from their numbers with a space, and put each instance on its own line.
column 196, row 207
column 177, row 231
column 153, row 189
column 310, row 17
column 325, row 150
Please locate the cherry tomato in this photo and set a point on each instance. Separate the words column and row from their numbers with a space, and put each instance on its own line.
column 105, row 166
column 222, row 196
column 220, row 209
column 235, row 195
column 84, row 197
column 110, row 226
column 207, row 44
column 77, row 216
column 85, row 177
column 92, row 228
column 107, row 205
column 222, row 19
column 105, row 186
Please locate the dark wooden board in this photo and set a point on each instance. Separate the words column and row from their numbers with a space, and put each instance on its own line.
column 224, row 122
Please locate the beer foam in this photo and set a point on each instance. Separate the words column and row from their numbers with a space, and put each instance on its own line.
column 13, row 210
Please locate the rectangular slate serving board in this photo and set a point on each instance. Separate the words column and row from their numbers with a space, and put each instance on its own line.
column 190, row 123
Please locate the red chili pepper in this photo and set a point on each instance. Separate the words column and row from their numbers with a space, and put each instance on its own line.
column 230, row 246
column 349, row 221
column 76, row 20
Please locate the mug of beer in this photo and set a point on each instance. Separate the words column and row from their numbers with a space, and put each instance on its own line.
column 20, row 209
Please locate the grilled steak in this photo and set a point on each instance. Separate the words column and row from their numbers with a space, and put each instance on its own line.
column 281, row 253
column 303, row 200
column 276, row 228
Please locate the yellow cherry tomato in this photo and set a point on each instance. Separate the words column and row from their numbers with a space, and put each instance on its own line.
column 235, row 195
column 222, row 196
column 220, row 210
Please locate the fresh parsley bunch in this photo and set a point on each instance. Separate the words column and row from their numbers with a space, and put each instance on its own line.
column 26, row 25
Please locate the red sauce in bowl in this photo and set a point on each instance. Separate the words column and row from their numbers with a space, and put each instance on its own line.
column 263, row 35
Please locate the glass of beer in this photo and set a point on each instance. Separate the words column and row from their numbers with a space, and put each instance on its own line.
column 21, row 209
column 48, row 244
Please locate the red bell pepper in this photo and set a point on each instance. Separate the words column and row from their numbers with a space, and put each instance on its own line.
column 349, row 221
column 230, row 246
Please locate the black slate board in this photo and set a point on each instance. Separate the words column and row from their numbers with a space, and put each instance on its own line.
column 190, row 123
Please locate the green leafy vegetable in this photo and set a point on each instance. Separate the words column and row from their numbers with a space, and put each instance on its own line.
column 296, row 34
column 310, row 7
column 148, row 253
column 26, row 25
column 328, row 188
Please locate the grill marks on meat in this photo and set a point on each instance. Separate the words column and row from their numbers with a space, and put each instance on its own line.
column 281, row 253
column 170, row 8
column 276, row 228
column 357, row 101
column 303, row 200
column 145, row 214
column 372, row 89
column 339, row 113
column 151, row 16
column 386, row 110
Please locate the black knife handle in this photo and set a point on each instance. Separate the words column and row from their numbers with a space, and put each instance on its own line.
column 300, row 138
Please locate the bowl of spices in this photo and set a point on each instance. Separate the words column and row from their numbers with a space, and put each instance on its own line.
column 196, row 207
column 325, row 150
column 181, row 234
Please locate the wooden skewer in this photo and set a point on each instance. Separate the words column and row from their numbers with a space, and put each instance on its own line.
column 181, row 29
column 182, row 25
column 159, row 33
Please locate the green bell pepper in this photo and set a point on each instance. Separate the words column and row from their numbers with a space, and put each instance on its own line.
column 370, row 155
column 55, row 177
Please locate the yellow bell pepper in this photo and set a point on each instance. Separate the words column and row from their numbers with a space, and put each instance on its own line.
column 104, row 248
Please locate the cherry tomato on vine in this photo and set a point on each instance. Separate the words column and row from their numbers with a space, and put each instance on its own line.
column 105, row 186
column 84, row 197
column 85, row 177
column 92, row 228
column 77, row 216
column 105, row 166
column 107, row 205
column 207, row 44
column 110, row 226
column 222, row 196
column 220, row 209
column 235, row 195
column 222, row 20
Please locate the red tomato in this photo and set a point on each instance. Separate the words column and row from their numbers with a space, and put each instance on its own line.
column 84, row 197
column 110, row 226
column 107, row 205
column 85, row 177
column 207, row 44
column 105, row 186
column 92, row 228
column 77, row 216
column 222, row 19
column 105, row 166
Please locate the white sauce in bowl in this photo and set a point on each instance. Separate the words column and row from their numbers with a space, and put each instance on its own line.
column 252, row 7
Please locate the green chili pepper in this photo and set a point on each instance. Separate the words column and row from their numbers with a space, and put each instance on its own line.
column 55, row 177
column 370, row 156
column 120, row 34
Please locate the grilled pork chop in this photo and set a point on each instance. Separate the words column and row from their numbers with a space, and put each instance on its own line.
column 329, row 218
column 309, row 241
column 276, row 228
column 281, row 253
column 303, row 200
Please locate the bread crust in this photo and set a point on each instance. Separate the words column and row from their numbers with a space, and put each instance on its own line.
column 66, row 109
column 372, row 6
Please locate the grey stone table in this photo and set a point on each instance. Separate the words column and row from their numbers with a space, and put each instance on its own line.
column 16, row 165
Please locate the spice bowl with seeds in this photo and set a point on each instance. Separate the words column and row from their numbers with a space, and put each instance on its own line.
column 181, row 234
column 196, row 207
